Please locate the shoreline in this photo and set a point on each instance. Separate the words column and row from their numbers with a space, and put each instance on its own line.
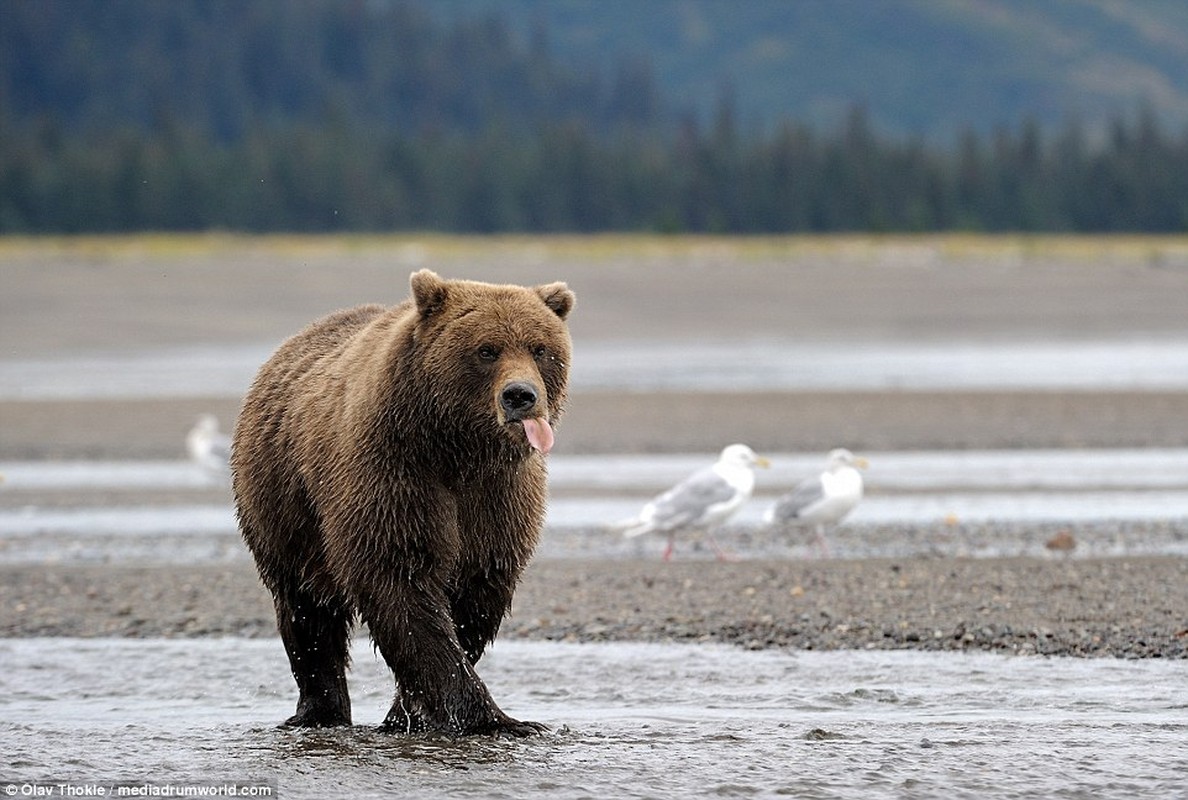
column 1124, row 607
column 113, row 295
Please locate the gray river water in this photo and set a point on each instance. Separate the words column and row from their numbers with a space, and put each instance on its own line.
column 967, row 503
column 746, row 365
column 627, row 720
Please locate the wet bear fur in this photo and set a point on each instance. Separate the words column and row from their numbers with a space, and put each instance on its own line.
column 382, row 469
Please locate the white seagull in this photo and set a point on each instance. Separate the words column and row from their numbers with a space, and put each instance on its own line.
column 209, row 447
column 824, row 499
column 704, row 500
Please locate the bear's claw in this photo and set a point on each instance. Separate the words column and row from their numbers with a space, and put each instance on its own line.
column 311, row 720
column 514, row 728
column 505, row 728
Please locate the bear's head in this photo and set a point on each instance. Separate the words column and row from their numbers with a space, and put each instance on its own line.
column 496, row 355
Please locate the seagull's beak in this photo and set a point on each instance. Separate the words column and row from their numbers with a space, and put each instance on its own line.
column 760, row 461
column 861, row 463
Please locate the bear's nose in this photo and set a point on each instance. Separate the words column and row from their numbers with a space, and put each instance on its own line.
column 517, row 399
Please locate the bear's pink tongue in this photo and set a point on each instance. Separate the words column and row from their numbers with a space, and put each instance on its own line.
column 539, row 434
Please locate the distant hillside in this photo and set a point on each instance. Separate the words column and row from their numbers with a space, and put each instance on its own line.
column 929, row 67
column 559, row 115
column 917, row 67
column 222, row 68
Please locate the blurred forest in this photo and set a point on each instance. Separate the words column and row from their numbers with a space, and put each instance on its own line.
column 132, row 115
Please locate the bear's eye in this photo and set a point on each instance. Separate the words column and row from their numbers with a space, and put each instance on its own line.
column 488, row 352
column 540, row 352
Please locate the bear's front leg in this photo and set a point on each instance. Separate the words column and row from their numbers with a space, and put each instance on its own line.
column 478, row 604
column 437, row 688
column 316, row 635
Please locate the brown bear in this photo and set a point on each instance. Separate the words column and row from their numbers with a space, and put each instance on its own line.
column 389, row 463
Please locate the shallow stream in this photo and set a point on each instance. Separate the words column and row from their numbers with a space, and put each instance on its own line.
column 627, row 720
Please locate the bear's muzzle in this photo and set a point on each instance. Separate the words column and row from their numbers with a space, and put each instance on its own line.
column 520, row 402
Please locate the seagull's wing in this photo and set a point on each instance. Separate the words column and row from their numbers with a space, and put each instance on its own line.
column 685, row 503
column 790, row 506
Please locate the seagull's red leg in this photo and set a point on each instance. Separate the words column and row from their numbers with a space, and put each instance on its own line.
column 822, row 545
column 668, row 547
column 718, row 551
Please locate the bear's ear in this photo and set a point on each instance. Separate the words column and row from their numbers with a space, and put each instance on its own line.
column 429, row 292
column 558, row 297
